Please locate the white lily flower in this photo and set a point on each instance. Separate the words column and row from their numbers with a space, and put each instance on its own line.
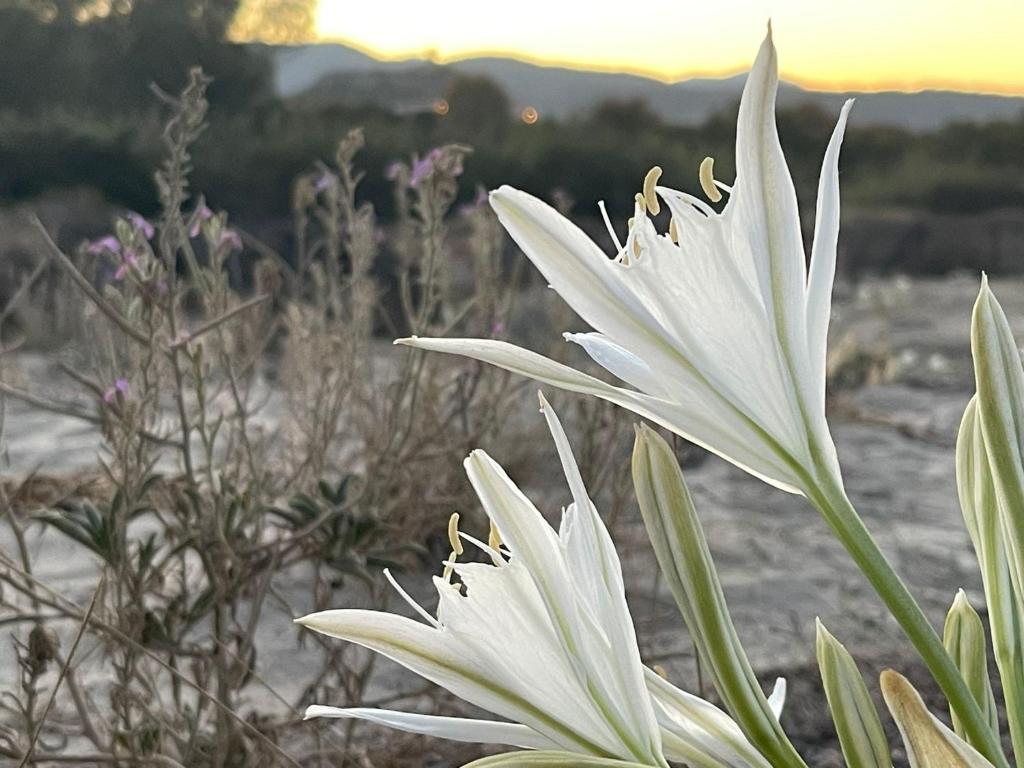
column 541, row 636
column 721, row 337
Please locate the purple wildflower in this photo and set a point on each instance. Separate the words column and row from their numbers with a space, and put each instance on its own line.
column 421, row 169
column 120, row 388
column 498, row 328
column 108, row 244
column 202, row 213
column 230, row 238
column 393, row 171
column 141, row 224
column 129, row 259
column 326, row 180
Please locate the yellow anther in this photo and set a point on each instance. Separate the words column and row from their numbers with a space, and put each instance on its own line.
column 629, row 222
column 673, row 231
column 641, row 201
column 660, row 671
column 453, row 533
column 707, row 179
column 650, row 196
column 494, row 538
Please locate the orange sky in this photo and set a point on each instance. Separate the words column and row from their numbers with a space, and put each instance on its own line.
column 844, row 44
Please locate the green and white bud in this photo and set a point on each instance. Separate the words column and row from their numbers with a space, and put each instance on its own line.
column 860, row 731
column 989, row 477
column 964, row 638
column 686, row 564
column 1000, row 412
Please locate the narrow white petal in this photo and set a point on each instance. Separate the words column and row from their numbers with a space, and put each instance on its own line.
column 595, row 571
column 700, row 418
column 620, row 362
column 778, row 698
column 701, row 726
column 530, row 539
column 452, row 728
column 577, row 269
column 763, row 207
column 823, row 255
column 454, row 665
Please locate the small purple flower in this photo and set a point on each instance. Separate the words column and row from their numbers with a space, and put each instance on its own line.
column 120, row 388
column 202, row 213
column 129, row 259
column 498, row 328
column 478, row 202
column 141, row 224
column 231, row 239
column 393, row 170
column 108, row 244
column 326, row 180
column 421, row 169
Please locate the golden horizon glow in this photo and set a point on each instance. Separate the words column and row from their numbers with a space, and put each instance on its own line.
column 862, row 45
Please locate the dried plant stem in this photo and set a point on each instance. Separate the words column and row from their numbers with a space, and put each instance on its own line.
column 86, row 287
column 60, row 677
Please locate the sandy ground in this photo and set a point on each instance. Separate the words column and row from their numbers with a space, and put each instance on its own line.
column 779, row 565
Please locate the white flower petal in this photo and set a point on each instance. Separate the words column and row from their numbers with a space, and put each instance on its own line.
column 503, row 619
column 590, row 282
column 596, row 572
column 702, row 726
column 429, row 653
column 823, row 256
column 621, row 363
column 763, row 207
column 700, row 419
column 777, row 700
column 452, row 728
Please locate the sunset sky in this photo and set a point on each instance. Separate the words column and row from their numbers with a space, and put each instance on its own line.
column 856, row 44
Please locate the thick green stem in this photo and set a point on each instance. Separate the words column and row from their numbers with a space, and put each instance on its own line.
column 830, row 499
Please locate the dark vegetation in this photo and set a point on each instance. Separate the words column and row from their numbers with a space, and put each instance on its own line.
column 78, row 110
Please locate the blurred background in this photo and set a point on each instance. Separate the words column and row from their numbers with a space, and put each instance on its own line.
column 563, row 99
column 200, row 402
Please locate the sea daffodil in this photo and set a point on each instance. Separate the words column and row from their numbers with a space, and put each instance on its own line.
column 716, row 326
column 541, row 636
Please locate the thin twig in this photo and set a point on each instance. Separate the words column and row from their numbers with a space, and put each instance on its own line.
column 87, row 288
column 75, row 412
column 255, row 301
column 60, row 677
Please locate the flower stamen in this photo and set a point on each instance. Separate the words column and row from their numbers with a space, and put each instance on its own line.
column 706, row 174
column 650, row 197
column 494, row 538
column 608, row 225
column 408, row 599
column 453, row 534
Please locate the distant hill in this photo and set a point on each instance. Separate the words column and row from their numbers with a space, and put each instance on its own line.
column 332, row 73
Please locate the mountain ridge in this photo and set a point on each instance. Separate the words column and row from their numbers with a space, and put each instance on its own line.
column 328, row 73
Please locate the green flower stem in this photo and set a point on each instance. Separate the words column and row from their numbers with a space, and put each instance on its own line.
column 830, row 499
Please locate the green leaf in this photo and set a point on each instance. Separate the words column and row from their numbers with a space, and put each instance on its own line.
column 860, row 731
column 929, row 743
